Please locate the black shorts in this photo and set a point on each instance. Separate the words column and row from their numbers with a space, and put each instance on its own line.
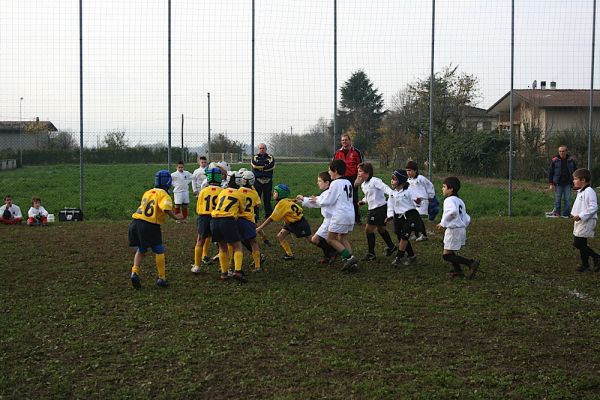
column 377, row 216
column 407, row 223
column 203, row 224
column 299, row 228
column 247, row 229
column 144, row 234
column 224, row 230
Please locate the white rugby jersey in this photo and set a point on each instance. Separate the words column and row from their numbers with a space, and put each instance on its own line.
column 400, row 201
column 326, row 210
column 34, row 212
column 198, row 176
column 455, row 213
column 374, row 190
column 422, row 187
column 339, row 198
column 14, row 209
column 181, row 181
column 586, row 204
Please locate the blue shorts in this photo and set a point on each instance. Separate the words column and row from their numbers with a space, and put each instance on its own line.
column 203, row 224
column 247, row 229
column 299, row 228
column 143, row 234
column 224, row 230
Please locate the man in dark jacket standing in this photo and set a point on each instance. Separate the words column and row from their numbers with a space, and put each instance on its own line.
column 560, row 178
column 352, row 157
column 263, row 165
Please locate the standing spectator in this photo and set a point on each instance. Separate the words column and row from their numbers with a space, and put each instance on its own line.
column 560, row 175
column 10, row 214
column 352, row 157
column 262, row 167
column 181, row 190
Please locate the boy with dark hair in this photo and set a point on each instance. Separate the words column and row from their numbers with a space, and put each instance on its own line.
column 425, row 192
column 181, row 190
column 584, row 213
column 401, row 208
column 10, row 214
column 293, row 216
column 375, row 191
column 455, row 220
column 144, row 230
column 339, row 198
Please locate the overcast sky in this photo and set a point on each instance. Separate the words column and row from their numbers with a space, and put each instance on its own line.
column 125, row 58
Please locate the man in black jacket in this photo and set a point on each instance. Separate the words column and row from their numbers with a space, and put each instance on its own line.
column 560, row 178
column 263, row 165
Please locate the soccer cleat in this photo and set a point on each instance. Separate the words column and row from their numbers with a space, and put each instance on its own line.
column 410, row 260
column 397, row 261
column 421, row 238
column 473, row 269
column 215, row 258
column 195, row 269
column 350, row 264
column 135, row 280
column 391, row 250
column 553, row 215
column 162, row 282
column 266, row 242
column 564, row 216
column 288, row 257
column 369, row 257
column 550, row 213
column 206, row 261
column 239, row 276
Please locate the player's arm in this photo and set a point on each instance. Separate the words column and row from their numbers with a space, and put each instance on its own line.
column 171, row 214
column 262, row 226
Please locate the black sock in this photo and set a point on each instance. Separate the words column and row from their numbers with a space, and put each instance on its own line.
column 371, row 242
column 328, row 251
column 409, row 250
column 455, row 258
column 387, row 239
column 400, row 254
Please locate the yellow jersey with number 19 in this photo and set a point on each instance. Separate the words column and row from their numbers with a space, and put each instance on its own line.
column 229, row 204
column 207, row 200
column 288, row 211
column 153, row 206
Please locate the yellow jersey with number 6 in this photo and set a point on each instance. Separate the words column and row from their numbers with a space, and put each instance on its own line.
column 153, row 206
column 229, row 204
column 288, row 211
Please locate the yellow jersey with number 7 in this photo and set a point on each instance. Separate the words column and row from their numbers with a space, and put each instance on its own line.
column 229, row 204
column 153, row 206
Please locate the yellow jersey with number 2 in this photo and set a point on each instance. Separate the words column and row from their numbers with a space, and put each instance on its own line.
column 250, row 200
column 288, row 211
column 153, row 206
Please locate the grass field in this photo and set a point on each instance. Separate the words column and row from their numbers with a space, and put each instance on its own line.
column 72, row 326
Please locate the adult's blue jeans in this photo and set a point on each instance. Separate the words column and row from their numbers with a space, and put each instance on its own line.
column 561, row 191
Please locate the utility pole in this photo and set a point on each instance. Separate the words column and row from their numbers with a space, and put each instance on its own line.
column 20, row 133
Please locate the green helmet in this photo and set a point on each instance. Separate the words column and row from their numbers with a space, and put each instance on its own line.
column 213, row 175
column 282, row 190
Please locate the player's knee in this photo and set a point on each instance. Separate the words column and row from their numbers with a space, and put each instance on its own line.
column 160, row 249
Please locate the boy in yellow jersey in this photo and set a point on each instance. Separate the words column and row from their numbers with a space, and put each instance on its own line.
column 207, row 201
column 225, row 231
column 293, row 217
column 246, row 220
column 144, row 230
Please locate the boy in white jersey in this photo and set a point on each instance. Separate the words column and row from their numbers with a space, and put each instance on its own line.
column 401, row 208
column 375, row 191
column 584, row 213
column 181, row 190
column 455, row 220
column 425, row 192
column 199, row 175
column 339, row 198
column 319, row 239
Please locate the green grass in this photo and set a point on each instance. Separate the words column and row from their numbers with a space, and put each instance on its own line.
column 72, row 327
column 113, row 191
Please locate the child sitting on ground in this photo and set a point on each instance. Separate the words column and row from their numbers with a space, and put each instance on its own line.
column 37, row 215
column 10, row 214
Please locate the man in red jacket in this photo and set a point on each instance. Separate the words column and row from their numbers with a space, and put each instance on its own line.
column 352, row 157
